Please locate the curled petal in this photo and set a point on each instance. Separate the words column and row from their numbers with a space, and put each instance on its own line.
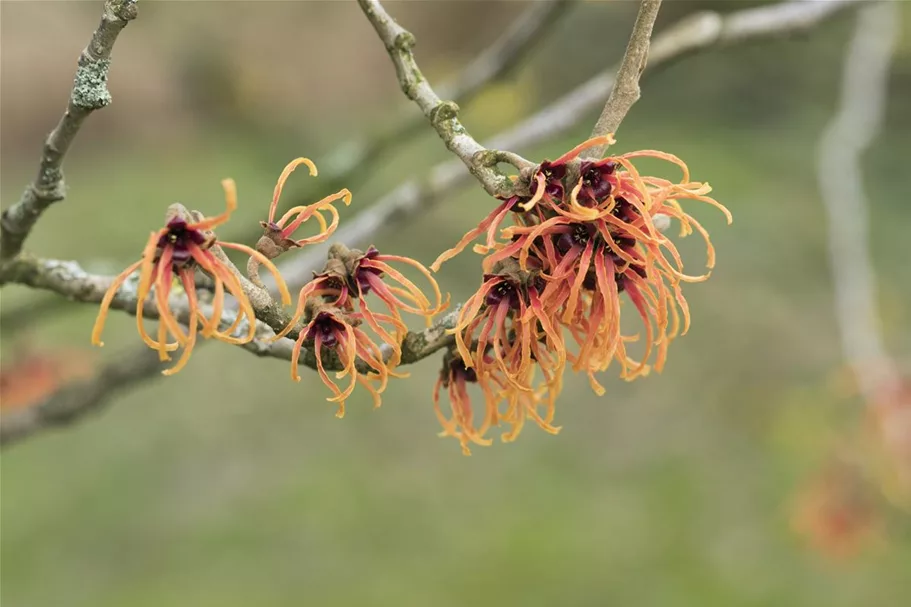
column 208, row 223
column 189, row 285
column 277, row 192
column 106, row 302
column 491, row 221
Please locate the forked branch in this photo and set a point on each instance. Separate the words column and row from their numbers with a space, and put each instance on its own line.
column 443, row 115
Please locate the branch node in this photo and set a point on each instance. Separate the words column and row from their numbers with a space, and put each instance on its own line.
column 127, row 10
column 446, row 110
column 405, row 41
column 486, row 158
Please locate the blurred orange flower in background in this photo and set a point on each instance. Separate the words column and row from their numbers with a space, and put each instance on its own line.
column 836, row 513
column 35, row 374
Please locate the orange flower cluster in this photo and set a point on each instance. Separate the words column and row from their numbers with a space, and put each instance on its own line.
column 332, row 306
column 590, row 231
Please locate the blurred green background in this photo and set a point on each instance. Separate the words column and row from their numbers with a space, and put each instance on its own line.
column 230, row 485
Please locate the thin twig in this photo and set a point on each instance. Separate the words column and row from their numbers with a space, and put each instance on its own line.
column 443, row 115
column 625, row 92
column 855, row 126
column 90, row 93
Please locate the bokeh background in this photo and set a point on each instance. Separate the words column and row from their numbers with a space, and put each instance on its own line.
column 230, row 485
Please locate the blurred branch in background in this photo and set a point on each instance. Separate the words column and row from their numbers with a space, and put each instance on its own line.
column 13, row 320
column 30, row 371
column 79, row 398
column 496, row 61
column 857, row 123
column 90, row 93
column 855, row 126
column 694, row 33
column 626, row 92
column 701, row 31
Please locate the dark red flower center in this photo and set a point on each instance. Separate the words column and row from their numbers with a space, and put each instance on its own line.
column 179, row 237
column 578, row 236
column 327, row 327
column 553, row 179
column 504, row 291
column 459, row 372
column 596, row 187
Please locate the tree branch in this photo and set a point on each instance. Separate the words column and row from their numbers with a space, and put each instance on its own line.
column 443, row 115
column 21, row 317
column 67, row 278
column 690, row 35
column 90, row 92
column 625, row 92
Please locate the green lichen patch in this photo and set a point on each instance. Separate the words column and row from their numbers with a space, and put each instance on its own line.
column 90, row 89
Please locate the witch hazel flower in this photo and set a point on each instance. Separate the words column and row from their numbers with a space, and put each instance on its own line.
column 332, row 329
column 505, row 315
column 506, row 344
column 278, row 234
column 461, row 420
column 501, row 405
column 177, row 250
column 350, row 275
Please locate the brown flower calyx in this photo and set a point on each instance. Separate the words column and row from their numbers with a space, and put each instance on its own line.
column 272, row 243
column 511, row 271
column 454, row 368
